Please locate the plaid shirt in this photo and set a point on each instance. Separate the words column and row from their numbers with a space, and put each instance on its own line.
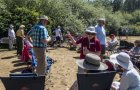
column 37, row 33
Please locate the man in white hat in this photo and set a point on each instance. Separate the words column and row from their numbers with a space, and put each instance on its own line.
column 58, row 35
column 130, row 79
column 39, row 37
column 89, row 43
column 101, row 34
column 11, row 35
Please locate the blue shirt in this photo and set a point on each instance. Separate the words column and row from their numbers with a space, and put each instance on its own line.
column 130, row 80
column 100, row 34
column 37, row 33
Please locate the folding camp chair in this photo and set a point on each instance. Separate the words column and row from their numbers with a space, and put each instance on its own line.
column 96, row 81
column 23, row 82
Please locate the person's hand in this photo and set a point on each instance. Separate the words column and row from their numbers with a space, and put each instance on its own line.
column 69, row 35
column 85, row 50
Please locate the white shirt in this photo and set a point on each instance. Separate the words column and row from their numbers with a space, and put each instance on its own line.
column 57, row 32
column 130, row 80
column 113, row 42
column 11, row 33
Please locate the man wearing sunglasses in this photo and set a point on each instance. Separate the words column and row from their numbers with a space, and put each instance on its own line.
column 89, row 43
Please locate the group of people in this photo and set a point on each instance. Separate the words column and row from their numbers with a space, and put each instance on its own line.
column 93, row 46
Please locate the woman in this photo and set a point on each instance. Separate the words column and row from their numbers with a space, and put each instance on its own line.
column 89, row 43
column 19, row 39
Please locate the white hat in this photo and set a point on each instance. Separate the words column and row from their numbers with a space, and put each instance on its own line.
column 122, row 59
column 101, row 19
column 91, row 62
column 11, row 26
column 44, row 17
column 91, row 29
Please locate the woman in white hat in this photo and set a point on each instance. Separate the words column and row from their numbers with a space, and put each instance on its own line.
column 130, row 79
column 89, row 43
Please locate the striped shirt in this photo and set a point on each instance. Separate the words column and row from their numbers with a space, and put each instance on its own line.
column 37, row 33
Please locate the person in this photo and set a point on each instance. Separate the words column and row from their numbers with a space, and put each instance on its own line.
column 39, row 37
column 113, row 42
column 58, row 35
column 11, row 36
column 19, row 39
column 89, row 43
column 135, row 51
column 101, row 34
column 90, row 64
column 130, row 78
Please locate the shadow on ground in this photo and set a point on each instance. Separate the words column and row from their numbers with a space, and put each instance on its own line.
column 18, row 70
column 9, row 57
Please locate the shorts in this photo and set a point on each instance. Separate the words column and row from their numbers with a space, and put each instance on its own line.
column 58, row 38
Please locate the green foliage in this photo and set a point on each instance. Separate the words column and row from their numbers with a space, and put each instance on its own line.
column 72, row 15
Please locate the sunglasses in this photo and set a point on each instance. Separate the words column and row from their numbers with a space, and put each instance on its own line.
column 90, row 33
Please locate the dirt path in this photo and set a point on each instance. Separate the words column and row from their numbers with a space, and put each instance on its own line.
column 63, row 71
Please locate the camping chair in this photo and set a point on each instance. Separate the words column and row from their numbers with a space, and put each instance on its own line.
column 112, row 49
column 96, row 81
column 23, row 82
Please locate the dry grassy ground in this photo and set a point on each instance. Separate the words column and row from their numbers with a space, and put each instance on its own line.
column 63, row 72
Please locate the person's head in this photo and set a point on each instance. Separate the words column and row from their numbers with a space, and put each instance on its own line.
column 122, row 61
column 11, row 26
column 91, row 63
column 112, row 36
column 58, row 27
column 44, row 20
column 90, row 32
column 137, row 43
column 22, row 27
column 101, row 21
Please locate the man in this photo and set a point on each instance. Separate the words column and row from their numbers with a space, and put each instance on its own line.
column 113, row 42
column 89, row 43
column 130, row 79
column 101, row 34
column 58, row 35
column 40, row 38
column 11, row 36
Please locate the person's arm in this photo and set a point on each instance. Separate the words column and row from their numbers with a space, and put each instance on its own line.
column 45, row 38
column 22, row 34
column 124, row 83
column 29, row 36
column 72, row 39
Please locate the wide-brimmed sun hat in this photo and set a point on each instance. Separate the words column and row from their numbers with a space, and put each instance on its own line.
column 91, row 62
column 91, row 30
column 122, row 59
